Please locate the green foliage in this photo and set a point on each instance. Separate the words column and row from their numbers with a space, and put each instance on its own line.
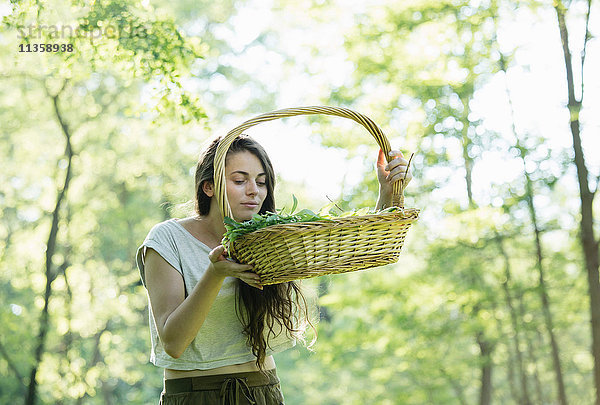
column 96, row 349
column 409, row 333
column 259, row 221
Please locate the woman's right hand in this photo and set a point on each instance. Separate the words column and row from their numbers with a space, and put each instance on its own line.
column 219, row 264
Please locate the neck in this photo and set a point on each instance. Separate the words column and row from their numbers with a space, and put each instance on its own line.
column 213, row 222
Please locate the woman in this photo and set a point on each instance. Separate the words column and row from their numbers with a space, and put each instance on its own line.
column 215, row 335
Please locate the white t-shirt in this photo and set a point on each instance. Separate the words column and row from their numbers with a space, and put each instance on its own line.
column 220, row 341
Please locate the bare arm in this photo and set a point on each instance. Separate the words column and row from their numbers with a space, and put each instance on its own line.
column 178, row 318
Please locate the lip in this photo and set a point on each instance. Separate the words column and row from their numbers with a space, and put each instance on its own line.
column 250, row 205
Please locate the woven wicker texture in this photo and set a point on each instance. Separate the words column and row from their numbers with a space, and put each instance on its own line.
column 287, row 252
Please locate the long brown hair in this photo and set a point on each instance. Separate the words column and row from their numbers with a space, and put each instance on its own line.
column 278, row 308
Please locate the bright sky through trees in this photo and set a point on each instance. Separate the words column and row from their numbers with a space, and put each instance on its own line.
column 539, row 106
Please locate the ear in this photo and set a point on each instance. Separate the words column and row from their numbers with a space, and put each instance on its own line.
column 208, row 188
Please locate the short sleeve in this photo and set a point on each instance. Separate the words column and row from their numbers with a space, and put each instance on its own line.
column 162, row 241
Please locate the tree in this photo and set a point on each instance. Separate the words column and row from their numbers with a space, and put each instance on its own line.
column 589, row 243
column 82, row 78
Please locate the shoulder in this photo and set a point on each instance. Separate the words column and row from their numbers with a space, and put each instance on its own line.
column 167, row 233
column 187, row 223
column 163, row 239
column 163, row 228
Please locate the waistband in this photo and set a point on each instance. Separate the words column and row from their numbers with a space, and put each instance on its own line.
column 220, row 381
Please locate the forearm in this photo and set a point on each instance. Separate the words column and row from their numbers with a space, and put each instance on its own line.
column 182, row 325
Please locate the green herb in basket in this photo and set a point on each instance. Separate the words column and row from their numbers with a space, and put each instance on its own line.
column 237, row 229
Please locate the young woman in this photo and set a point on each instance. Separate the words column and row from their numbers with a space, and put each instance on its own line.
column 213, row 326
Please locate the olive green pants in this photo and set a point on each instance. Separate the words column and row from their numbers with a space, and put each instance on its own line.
column 252, row 388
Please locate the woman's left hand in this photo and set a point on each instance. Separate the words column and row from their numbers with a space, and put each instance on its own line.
column 395, row 170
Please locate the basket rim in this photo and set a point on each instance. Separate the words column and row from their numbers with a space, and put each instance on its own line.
column 408, row 215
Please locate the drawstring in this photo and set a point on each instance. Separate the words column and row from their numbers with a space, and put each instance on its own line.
column 233, row 386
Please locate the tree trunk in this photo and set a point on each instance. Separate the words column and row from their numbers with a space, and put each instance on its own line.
column 531, row 352
column 562, row 397
column 466, row 143
column 511, row 376
column 534, row 360
column 524, row 398
column 50, row 273
column 96, row 358
column 485, row 346
column 588, row 239
column 456, row 387
column 543, row 291
column 11, row 365
column 485, row 349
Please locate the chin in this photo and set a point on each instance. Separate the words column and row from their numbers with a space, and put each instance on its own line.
column 246, row 216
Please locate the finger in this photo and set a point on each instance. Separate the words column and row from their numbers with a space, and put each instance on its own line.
column 252, row 276
column 380, row 158
column 397, row 167
column 396, row 178
column 214, row 254
column 252, row 281
column 396, row 153
column 255, row 284
column 396, row 162
column 399, row 173
column 243, row 271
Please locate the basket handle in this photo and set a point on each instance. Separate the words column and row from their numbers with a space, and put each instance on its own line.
column 223, row 147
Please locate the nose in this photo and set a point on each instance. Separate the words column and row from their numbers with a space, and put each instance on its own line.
column 252, row 188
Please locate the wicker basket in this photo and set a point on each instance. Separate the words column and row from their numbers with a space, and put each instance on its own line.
column 286, row 252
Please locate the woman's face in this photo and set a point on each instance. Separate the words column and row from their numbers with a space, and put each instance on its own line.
column 246, row 184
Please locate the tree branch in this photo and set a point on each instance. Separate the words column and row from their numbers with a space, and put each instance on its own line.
column 50, row 272
column 585, row 41
column 103, row 106
column 12, row 365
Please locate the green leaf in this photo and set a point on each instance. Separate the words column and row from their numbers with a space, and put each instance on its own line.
column 229, row 221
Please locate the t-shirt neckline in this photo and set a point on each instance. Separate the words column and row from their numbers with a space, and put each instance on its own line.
column 174, row 220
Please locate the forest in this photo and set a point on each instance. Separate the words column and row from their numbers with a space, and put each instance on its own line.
column 105, row 106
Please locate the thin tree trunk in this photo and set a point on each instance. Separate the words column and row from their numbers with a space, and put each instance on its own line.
column 531, row 351
column 323, row 289
column 8, row 239
column 511, row 376
column 485, row 349
column 543, row 291
column 107, row 393
column 531, row 348
column 588, row 239
column 50, row 273
column 456, row 387
column 11, row 365
column 96, row 357
column 466, row 143
column 524, row 398
column 485, row 346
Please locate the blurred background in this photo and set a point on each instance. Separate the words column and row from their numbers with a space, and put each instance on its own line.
column 496, row 295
